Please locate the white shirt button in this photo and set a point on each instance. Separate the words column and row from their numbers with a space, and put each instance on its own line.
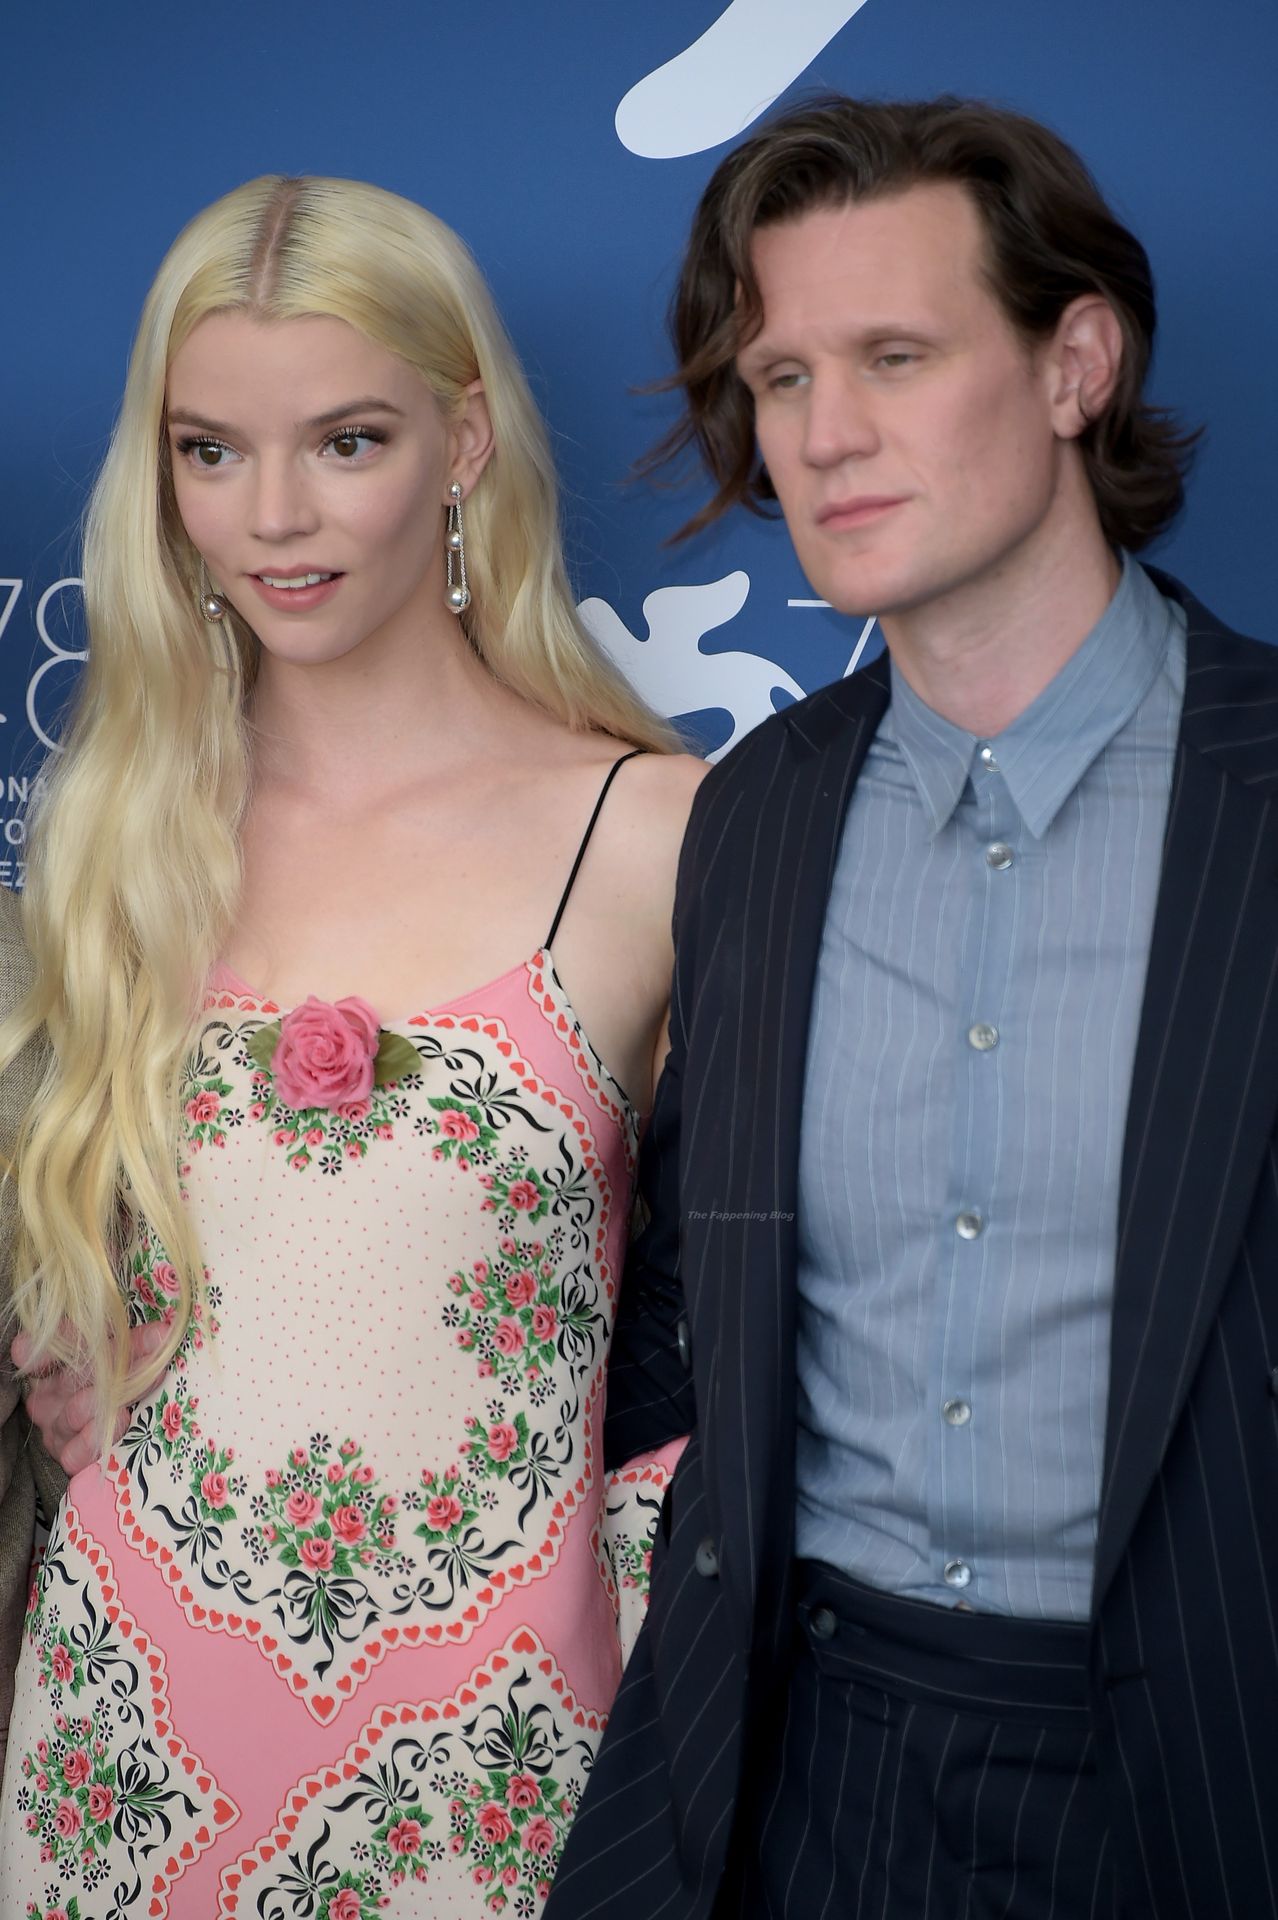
column 998, row 855
column 957, row 1573
column 982, row 1037
column 969, row 1224
column 987, row 758
column 956, row 1413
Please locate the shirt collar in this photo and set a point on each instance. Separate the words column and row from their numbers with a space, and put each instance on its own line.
column 1047, row 749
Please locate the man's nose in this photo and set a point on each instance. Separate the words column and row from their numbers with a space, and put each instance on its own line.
column 840, row 421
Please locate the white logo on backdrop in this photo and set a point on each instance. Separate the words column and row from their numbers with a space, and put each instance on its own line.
column 58, row 655
column 669, row 670
column 717, row 87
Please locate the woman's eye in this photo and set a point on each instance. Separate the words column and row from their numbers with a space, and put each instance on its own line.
column 210, row 454
column 349, row 443
column 787, row 382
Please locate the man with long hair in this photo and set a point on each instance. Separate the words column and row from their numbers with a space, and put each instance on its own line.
column 962, row 1174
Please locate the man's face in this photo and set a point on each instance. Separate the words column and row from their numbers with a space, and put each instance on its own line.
column 907, row 429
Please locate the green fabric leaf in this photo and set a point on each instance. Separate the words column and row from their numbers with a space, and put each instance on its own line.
column 395, row 1057
column 263, row 1044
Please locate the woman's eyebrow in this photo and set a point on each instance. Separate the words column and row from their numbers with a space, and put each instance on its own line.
column 367, row 403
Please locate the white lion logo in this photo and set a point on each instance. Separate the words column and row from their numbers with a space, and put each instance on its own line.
column 714, row 89
column 669, row 670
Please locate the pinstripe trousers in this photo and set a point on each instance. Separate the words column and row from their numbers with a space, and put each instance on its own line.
column 925, row 1763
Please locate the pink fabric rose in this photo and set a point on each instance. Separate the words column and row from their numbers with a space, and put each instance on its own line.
column 214, row 1488
column 495, row 1824
column 545, row 1322
column 171, row 1419
column 539, row 1836
column 405, row 1836
column 301, row 1508
column 457, row 1126
column 317, row 1554
column 203, row 1108
column 443, row 1512
column 63, row 1670
column 348, row 1525
column 77, row 1767
column 523, row 1196
column 344, row 1905
column 325, row 1053
column 523, row 1791
column 502, row 1440
column 165, row 1276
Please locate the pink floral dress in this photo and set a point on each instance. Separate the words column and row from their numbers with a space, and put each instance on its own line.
column 335, row 1634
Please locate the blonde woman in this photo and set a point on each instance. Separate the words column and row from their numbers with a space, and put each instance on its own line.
column 354, row 986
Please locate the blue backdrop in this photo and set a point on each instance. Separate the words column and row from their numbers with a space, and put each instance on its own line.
column 568, row 143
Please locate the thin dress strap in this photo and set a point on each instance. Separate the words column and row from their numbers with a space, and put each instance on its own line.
column 585, row 841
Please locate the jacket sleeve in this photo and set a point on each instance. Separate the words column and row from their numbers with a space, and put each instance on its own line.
column 650, row 1395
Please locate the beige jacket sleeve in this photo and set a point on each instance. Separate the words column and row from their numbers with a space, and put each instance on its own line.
column 28, row 1477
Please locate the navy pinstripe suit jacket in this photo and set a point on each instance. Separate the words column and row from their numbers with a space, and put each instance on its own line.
column 1184, row 1660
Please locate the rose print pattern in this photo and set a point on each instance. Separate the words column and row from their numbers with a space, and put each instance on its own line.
column 357, row 1492
column 151, row 1289
column 473, row 1794
column 298, row 1553
column 105, row 1785
column 514, row 1315
column 207, row 1118
column 332, row 1519
column 624, row 1535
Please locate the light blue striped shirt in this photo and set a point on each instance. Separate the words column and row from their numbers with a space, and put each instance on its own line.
column 973, row 1032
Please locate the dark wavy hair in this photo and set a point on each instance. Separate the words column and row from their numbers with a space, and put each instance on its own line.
column 1049, row 237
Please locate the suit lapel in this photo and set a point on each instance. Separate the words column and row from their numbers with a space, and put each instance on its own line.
column 1205, row 1078
column 750, row 1305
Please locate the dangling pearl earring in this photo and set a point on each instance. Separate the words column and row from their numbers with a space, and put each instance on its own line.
column 457, row 598
column 212, row 605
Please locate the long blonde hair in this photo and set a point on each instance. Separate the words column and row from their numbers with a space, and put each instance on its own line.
column 134, row 861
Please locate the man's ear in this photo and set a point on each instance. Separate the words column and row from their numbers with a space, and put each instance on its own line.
column 470, row 438
column 1084, row 361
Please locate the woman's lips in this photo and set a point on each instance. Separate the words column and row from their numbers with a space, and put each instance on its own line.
column 297, row 599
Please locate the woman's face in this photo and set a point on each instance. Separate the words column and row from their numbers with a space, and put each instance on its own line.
column 311, row 469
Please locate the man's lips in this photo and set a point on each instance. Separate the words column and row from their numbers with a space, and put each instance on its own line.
column 855, row 513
